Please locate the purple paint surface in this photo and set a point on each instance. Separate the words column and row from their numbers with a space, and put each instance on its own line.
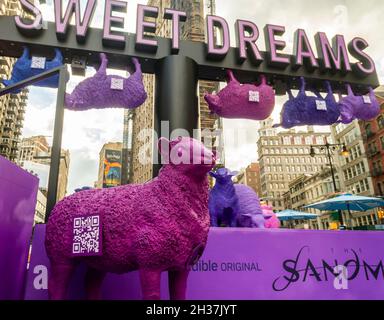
column 18, row 192
column 247, row 264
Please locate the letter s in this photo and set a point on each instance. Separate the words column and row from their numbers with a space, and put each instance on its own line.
column 37, row 24
column 40, row 282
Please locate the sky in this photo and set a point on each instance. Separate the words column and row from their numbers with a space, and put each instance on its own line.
column 86, row 132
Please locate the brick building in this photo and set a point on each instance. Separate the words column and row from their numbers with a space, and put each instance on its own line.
column 373, row 137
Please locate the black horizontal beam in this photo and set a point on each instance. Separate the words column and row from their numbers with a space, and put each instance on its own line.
column 11, row 42
column 27, row 82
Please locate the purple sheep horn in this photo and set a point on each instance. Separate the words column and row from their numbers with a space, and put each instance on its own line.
column 213, row 102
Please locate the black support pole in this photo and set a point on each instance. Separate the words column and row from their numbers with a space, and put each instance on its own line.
column 56, row 144
column 176, row 98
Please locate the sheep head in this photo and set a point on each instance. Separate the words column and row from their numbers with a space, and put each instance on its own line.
column 223, row 175
column 187, row 155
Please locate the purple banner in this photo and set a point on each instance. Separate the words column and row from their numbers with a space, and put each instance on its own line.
column 249, row 264
column 18, row 192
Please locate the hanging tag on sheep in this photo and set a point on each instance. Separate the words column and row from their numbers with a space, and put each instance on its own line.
column 254, row 96
column 367, row 99
column 38, row 63
column 87, row 236
column 321, row 105
column 117, row 84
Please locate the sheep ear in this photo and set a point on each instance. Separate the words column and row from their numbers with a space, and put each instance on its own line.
column 163, row 146
column 212, row 174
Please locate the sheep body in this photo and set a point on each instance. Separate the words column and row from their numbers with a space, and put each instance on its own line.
column 273, row 222
column 158, row 226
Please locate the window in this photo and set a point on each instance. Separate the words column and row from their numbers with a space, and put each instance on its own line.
column 366, row 184
column 298, row 140
column 319, row 140
column 308, row 140
column 368, row 129
column 380, row 122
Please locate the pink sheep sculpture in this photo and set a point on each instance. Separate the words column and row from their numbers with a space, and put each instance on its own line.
column 273, row 222
column 158, row 226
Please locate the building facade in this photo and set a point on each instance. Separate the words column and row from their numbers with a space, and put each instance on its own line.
column 35, row 155
column 41, row 205
column 355, row 170
column 194, row 30
column 373, row 138
column 251, row 177
column 12, row 106
column 307, row 189
column 110, row 164
column 285, row 156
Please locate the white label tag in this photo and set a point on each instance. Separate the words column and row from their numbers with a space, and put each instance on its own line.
column 38, row 63
column 117, row 84
column 254, row 96
column 367, row 99
column 321, row 105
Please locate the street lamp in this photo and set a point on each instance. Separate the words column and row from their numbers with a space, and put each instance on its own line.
column 329, row 149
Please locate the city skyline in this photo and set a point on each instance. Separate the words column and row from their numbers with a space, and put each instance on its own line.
column 97, row 127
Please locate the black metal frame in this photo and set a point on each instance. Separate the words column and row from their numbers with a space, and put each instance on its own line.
column 57, row 131
column 12, row 40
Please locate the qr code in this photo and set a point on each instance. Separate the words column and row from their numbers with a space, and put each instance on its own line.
column 86, row 236
column 117, row 84
column 38, row 63
column 254, row 96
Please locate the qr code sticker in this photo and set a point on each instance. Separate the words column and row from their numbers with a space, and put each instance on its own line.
column 254, row 96
column 117, row 84
column 367, row 99
column 86, row 236
column 38, row 63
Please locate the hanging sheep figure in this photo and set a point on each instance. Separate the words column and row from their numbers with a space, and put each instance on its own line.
column 158, row 226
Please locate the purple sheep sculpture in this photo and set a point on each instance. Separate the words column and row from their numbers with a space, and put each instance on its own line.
column 223, row 201
column 242, row 101
column 234, row 205
column 158, row 226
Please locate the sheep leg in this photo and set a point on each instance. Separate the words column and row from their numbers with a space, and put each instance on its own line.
column 59, row 280
column 150, row 284
column 178, row 284
column 93, row 281
column 214, row 222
